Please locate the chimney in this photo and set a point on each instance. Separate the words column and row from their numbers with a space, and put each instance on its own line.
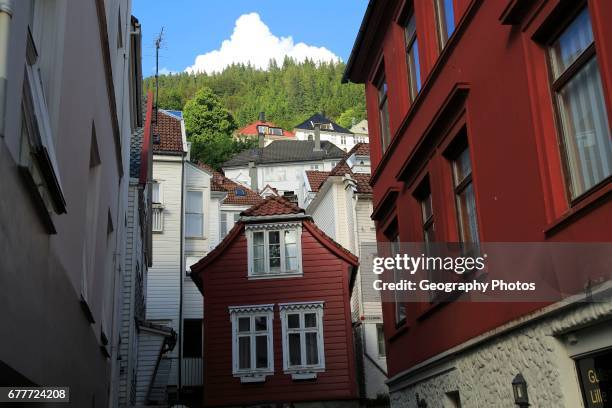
column 317, row 137
column 262, row 116
column 261, row 139
column 253, row 176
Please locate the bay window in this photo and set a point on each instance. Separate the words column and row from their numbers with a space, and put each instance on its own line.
column 252, row 346
column 194, row 214
column 412, row 58
column 274, row 249
column 581, row 110
column 302, row 327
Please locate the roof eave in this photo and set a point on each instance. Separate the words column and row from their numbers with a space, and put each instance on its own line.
column 346, row 77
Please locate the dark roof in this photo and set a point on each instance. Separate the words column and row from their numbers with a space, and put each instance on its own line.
column 318, row 118
column 136, row 144
column 221, row 183
column 316, row 178
column 283, row 151
column 272, row 205
column 170, row 133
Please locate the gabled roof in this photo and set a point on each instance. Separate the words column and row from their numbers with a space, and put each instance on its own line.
column 252, row 129
column 342, row 168
column 316, row 178
column 272, row 205
column 319, row 118
column 285, row 151
column 169, row 130
column 236, row 193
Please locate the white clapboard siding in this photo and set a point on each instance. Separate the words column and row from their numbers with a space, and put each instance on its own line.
column 150, row 346
column 324, row 215
column 192, row 301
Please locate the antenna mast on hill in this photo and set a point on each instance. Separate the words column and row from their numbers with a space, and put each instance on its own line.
column 158, row 42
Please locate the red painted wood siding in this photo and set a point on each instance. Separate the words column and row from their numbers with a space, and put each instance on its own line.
column 325, row 279
column 517, row 171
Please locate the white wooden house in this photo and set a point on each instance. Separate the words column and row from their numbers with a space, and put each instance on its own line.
column 330, row 131
column 341, row 205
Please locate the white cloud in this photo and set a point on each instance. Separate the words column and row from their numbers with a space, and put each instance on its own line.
column 253, row 42
column 166, row 71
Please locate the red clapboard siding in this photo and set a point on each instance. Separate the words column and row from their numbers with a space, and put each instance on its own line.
column 326, row 278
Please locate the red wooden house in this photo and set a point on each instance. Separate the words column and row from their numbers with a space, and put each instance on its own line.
column 277, row 324
column 489, row 122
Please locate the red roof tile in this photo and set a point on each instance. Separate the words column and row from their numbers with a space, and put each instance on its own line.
column 221, row 183
column 272, row 205
column 316, row 179
column 251, row 129
column 168, row 128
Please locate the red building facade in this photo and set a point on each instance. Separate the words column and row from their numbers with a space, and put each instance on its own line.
column 489, row 122
column 277, row 325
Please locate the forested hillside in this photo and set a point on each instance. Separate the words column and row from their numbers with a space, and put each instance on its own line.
column 288, row 94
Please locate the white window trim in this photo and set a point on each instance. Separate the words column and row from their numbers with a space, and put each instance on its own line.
column 252, row 375
column 303, row 372
column 250, row 229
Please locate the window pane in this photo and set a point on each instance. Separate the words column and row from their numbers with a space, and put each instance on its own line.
column 586, row 133
column 244, row 324
column 261, row 323
column 310, row 320
column 427, row 208
column 380, row 335
column 462, row 166
column 274, row 237
column 259, row 266
column 571, row 44
column 274, row 250
column 194, row 225
column 223, row 225
column 244, row 352
column 293, row 321
column 295, row 352
column 194, row 202
column 414, row 69
column 290, row 237
column 155, row 192
column 385, row 129
column 312, row 353
column 445, row 14
column 410, row 30
column 291, row 263
column 261, row 351
column 236, row 217
column 467, row 215
column 258, row 238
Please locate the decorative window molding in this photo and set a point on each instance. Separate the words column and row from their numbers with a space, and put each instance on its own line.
column 274, row 250
column 252, row 325
column 303, row 342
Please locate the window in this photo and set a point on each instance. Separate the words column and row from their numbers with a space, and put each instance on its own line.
column 380, row 337
column 400, row 306
column 314, row 167
column 194, row 219
column 383, row 115
column 252, row 348
column 445, row 20
column 310, row 137
column 227, row 221
column 262, row 129
column 464, row 197
column 191, row 260
column 274, row 250
column 192, row 338
column 577, row 89
column 303, row 349
column 427, row 216
column 342, row 140
column 156, row 192
column 276, row 131
column 412, row 58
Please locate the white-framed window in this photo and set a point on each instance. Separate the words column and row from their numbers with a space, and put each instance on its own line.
column 342, row 140
column 156, row 192
column 190, row 260
column 303, row 345
column 194, row 214
column 274, row 249
column 226, row 222
column 252, row 342
column 314, row 167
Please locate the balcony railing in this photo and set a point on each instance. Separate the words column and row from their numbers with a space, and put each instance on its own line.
column 158, row 218
column 192, row 372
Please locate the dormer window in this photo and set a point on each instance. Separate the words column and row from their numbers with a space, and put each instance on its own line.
column 262, row 129
column 276, row 131
column 274, row 249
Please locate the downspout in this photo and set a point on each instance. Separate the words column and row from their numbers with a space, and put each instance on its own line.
column 181, row 274
column 6, row 14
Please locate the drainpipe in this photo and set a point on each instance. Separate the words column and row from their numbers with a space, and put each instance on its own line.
column 6, row 14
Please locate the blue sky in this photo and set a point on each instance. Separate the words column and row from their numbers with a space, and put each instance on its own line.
column 197, row 27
